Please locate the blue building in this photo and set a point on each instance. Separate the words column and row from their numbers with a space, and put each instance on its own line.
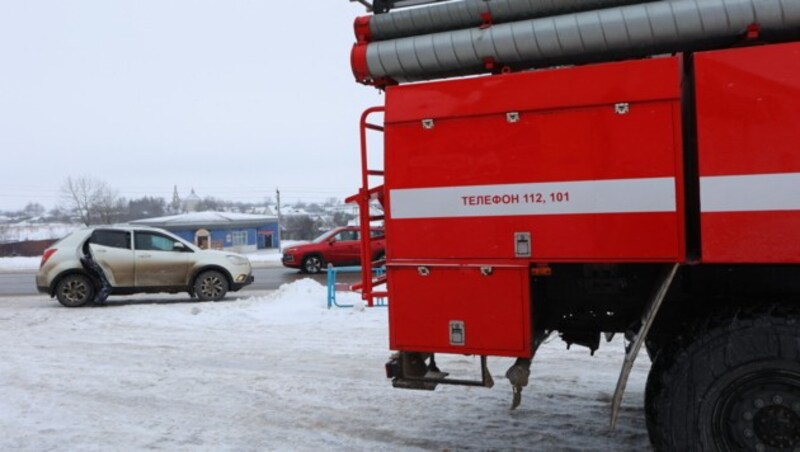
column 236, row 232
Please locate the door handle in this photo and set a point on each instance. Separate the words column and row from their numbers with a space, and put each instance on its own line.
column 100, row 251
column 145, row 256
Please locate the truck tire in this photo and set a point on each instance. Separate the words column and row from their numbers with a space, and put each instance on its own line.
column 75, row 290
column 730, row 383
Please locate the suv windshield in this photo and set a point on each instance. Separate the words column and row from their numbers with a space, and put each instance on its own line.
column 324, row 236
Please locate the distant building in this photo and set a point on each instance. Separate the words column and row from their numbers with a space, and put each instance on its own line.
column 237, row 232
column 191, row 202
column 175, row 206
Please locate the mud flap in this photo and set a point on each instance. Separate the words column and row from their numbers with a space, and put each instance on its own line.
column 632, row 349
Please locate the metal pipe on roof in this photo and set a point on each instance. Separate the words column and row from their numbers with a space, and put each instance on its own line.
column 619, row 32
column 467, row 14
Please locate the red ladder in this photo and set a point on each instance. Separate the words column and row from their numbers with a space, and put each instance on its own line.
column 364, row 197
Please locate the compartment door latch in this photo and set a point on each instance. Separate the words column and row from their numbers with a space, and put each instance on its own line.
column 522, row 244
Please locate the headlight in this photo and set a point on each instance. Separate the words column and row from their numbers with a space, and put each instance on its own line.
column 237, row 260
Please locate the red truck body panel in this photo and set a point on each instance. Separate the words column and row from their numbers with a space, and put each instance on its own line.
column 748, row 117
column 588, row 179
column 586, row 182
column 590, row 162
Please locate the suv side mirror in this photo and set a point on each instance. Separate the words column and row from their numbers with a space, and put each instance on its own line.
column 178, row 246
column 331, row 240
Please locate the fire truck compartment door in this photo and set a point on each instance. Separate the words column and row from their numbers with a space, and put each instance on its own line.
column 475, row 309
column 591, row 177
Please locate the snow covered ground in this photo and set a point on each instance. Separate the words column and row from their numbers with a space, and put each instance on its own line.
column 278, row 371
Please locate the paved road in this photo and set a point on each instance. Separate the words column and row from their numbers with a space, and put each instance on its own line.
column 23, row 283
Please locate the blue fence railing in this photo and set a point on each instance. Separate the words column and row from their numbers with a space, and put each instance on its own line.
column 334, row 271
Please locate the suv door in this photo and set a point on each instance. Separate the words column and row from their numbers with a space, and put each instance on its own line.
column 111, row 249
column 345, row 248
column 157, row 262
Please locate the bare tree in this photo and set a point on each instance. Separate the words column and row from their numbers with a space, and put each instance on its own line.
column 78, row 194
column 342, row 218
column 4, row 233
column 301, row 227
column 107, row 204
column 33, row 209
column 90, row 199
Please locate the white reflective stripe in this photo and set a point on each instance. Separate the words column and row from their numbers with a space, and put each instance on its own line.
column 551, row 198
column 750, row 193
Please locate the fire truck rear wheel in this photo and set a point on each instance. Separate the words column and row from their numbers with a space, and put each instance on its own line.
column 733, row 384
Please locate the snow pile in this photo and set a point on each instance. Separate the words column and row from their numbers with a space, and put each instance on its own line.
column 301, row 302
column 277, row 371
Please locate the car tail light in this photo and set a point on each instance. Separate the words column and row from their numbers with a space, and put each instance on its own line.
column 47, row 253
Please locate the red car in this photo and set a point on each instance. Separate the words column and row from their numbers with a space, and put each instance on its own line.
column 340, row 246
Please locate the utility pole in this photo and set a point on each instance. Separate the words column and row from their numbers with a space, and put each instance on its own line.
column 280, row 222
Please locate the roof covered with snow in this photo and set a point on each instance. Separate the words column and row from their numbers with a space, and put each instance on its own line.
column 208, row 219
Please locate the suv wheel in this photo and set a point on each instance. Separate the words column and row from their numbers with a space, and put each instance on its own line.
column 312, row 264
column 74, row 291
column 211, row 286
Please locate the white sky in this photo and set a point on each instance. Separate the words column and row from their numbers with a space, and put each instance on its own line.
column 233, row 98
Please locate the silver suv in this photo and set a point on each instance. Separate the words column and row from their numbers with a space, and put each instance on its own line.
column 138, row 259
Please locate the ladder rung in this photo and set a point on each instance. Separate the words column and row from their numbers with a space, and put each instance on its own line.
column 380, row 294
column 373, row 172
column 375, row 282
column 377, row 217
column 377, row 237
column 358, row 197
column 356, row 286
column 374, row 127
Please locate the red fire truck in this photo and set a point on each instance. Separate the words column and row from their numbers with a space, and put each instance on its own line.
column 588, row 167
